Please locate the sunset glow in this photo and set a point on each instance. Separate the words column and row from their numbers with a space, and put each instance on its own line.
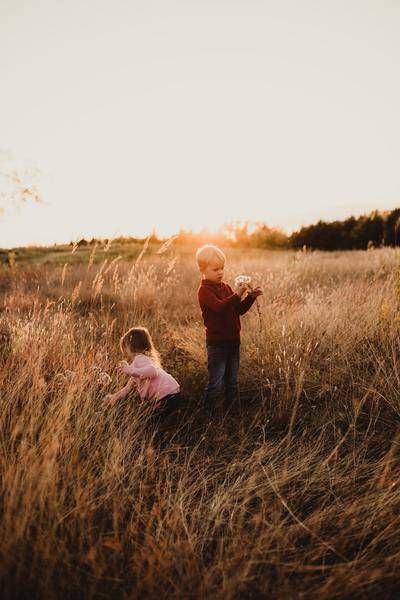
column 162, row 115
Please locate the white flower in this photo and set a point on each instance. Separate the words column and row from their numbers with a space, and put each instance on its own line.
column 242, row 279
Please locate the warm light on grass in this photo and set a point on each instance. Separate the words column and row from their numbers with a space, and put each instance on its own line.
column 296, row 497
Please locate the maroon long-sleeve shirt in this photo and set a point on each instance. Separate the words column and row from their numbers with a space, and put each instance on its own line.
column 221, row 309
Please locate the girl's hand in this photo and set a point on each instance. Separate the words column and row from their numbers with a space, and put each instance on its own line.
column 123, row 366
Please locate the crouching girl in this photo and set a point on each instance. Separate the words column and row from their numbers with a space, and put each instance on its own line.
column 146, row 376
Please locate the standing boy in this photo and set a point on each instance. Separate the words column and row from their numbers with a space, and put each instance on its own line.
column 221, row 308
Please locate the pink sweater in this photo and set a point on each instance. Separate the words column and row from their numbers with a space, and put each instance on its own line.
column 152, row 382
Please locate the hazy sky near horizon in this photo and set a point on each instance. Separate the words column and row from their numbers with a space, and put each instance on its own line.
column 161, row 114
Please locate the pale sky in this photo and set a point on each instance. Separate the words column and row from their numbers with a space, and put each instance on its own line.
column 161, row 114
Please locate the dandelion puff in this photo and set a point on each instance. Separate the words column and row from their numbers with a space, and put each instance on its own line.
column 240, row 279
column 104, row 378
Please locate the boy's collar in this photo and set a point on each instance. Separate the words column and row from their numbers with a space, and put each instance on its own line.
column 208, row 282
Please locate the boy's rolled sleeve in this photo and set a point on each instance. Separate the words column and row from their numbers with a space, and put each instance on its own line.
column 246, row 304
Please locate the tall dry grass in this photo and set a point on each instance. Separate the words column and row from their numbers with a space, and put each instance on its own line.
column 295, row 497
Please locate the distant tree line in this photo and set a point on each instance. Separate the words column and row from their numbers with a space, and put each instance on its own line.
column 373, row 230
column 355, row 233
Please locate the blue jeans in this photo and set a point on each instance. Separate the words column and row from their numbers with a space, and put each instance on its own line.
column 223, row 361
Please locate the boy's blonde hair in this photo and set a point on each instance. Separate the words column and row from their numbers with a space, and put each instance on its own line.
column 209, row 254
column 138, row 341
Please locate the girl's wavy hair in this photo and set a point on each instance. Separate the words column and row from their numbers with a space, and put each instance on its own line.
column 138, row 340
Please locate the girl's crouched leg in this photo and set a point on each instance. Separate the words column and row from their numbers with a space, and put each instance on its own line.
column 166, row 418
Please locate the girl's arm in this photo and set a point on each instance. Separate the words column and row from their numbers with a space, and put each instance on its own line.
column 113, row 398
column 148, row 371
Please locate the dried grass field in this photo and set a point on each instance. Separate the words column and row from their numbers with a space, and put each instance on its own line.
column 296, row 496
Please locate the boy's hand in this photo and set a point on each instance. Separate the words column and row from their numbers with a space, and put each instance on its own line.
column 257, row 291
column 240, row 289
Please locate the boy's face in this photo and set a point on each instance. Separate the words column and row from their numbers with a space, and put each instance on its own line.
column 214, row 271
